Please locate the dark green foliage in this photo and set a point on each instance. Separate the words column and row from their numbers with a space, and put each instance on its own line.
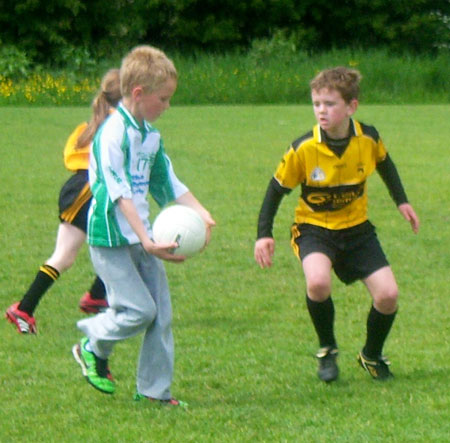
column 224, row 25
column 49, row 32
column 39, row 28
column 402, row 26
column 13, row 62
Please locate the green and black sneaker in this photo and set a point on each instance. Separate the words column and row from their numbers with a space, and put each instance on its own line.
column 328, row 370
column 377, row 368
column 94, row 369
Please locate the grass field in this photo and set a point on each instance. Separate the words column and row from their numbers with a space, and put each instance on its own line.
column 244, row 342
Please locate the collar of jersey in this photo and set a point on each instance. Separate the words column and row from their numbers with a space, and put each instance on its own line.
column 146, row 127
column 355, row 130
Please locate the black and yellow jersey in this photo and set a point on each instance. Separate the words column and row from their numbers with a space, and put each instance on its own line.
column 333, row 187
column 76, row 159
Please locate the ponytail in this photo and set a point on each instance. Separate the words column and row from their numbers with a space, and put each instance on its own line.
column 108, row 97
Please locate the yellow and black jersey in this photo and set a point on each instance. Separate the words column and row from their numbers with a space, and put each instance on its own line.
column 333, row 187
column 333, row 177
column 76, row 159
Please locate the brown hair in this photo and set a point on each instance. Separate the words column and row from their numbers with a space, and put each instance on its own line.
column 147, row 67
column 342, row 79
column 108, row 97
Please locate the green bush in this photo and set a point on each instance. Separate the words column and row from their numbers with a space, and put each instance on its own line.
column 279, row 48
column 46, row 29
column 76, row 61
column 14, row 62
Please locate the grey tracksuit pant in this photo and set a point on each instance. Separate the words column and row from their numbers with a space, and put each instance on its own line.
column 139, row 300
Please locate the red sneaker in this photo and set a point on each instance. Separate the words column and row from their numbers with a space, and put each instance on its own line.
column 91, row 305
column 25, row 323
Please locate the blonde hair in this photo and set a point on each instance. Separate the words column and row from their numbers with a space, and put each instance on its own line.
column 147, row 67
column 342, row 79
column 108, row 97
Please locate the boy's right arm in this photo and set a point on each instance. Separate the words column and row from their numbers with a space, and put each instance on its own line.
column 161, row 250
column 264, row 250
column 265, row 244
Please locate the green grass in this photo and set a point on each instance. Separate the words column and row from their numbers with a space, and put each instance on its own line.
column 244, row 342
column 281, row 77
column 264, row 74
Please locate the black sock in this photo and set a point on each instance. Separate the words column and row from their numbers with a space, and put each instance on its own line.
column 46, row 276
column 378, row 327
column 322, row 316
column 97, row 290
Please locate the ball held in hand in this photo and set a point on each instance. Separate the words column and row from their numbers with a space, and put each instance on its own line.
column 183, row 225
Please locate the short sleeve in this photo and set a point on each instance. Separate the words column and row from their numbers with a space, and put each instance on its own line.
column 290, row 171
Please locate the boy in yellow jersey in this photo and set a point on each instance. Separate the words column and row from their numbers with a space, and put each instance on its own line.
column 331, row 163
column 74, row 200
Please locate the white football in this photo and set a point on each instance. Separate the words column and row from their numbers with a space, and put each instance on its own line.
column 183, row 225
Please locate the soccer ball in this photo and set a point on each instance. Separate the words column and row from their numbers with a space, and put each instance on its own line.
column 183, row 225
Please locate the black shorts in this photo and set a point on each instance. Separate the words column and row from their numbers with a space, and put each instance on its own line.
column 74, row 200
column 355, row 253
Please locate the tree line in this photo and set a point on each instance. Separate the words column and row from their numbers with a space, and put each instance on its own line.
column 53, row 31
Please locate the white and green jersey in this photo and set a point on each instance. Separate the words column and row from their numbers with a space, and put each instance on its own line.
column 127, row 160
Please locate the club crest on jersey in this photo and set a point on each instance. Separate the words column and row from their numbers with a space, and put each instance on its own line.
column 317, row 174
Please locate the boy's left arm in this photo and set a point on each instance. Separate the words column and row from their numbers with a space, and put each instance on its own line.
column 410, row 215
column 391, row 178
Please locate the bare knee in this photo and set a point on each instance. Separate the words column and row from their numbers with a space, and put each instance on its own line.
column 386, row 300
column 318, row 289
column 317, row 270
column 383, row 289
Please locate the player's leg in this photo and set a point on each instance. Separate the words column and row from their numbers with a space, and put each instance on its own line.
column 155, row 369
column 384, row 291
column 71, row 236
column 68, row 242
column 133, row 308
column 156, row 360
column 317, row 270
column 132, row 311
column 94, row 300
column 97, row 290
column 315, row 248
column 74, row 202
